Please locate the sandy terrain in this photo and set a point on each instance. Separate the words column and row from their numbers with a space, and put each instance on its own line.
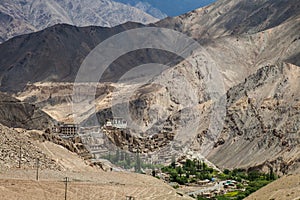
column 20, row 184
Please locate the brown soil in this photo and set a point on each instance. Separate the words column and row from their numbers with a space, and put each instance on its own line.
column 20, row 184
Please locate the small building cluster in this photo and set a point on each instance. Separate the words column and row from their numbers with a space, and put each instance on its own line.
column 118, row 122
column 71, row 130
column 211, row 192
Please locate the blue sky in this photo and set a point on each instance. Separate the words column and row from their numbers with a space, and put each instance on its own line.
column 173, row 7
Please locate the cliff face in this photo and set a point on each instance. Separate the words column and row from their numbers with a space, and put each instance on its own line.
column 262, row 121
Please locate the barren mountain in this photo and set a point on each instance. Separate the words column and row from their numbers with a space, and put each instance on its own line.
column 54, row 54
column 254, row 92
column 260, row 126
column 19, row 17
column 64, row 47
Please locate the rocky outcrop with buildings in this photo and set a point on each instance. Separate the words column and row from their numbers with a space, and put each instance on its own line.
column 129, row 142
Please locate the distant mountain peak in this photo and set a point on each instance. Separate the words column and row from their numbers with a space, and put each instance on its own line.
column 24, row 16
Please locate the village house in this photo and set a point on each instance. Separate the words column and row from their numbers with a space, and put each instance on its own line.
column 66, row 130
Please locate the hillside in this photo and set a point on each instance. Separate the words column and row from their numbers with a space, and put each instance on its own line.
column 15, row 113
column 54, row 54
column 19, row 17
column 285, row 188
column 11, row 140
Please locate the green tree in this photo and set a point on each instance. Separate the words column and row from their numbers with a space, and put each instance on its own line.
column 109, row 157
column 271, row 175
column 173, row 175
column 226, row 171
column 198, row 165
column 173, row 161
column 122, row 156
column 204, row 166
column 254, row 175
column 138, row 163
column 117, row 156
column 179, row 171
column 127, row 160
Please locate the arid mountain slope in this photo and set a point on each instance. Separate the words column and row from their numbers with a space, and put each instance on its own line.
column 19, row 17
column 56, row 53
column 262, row 122
column 15, row 113
column 55, row 99
column 56, row 163
column 252, row 68
column 233, row 17
column 10, row 143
